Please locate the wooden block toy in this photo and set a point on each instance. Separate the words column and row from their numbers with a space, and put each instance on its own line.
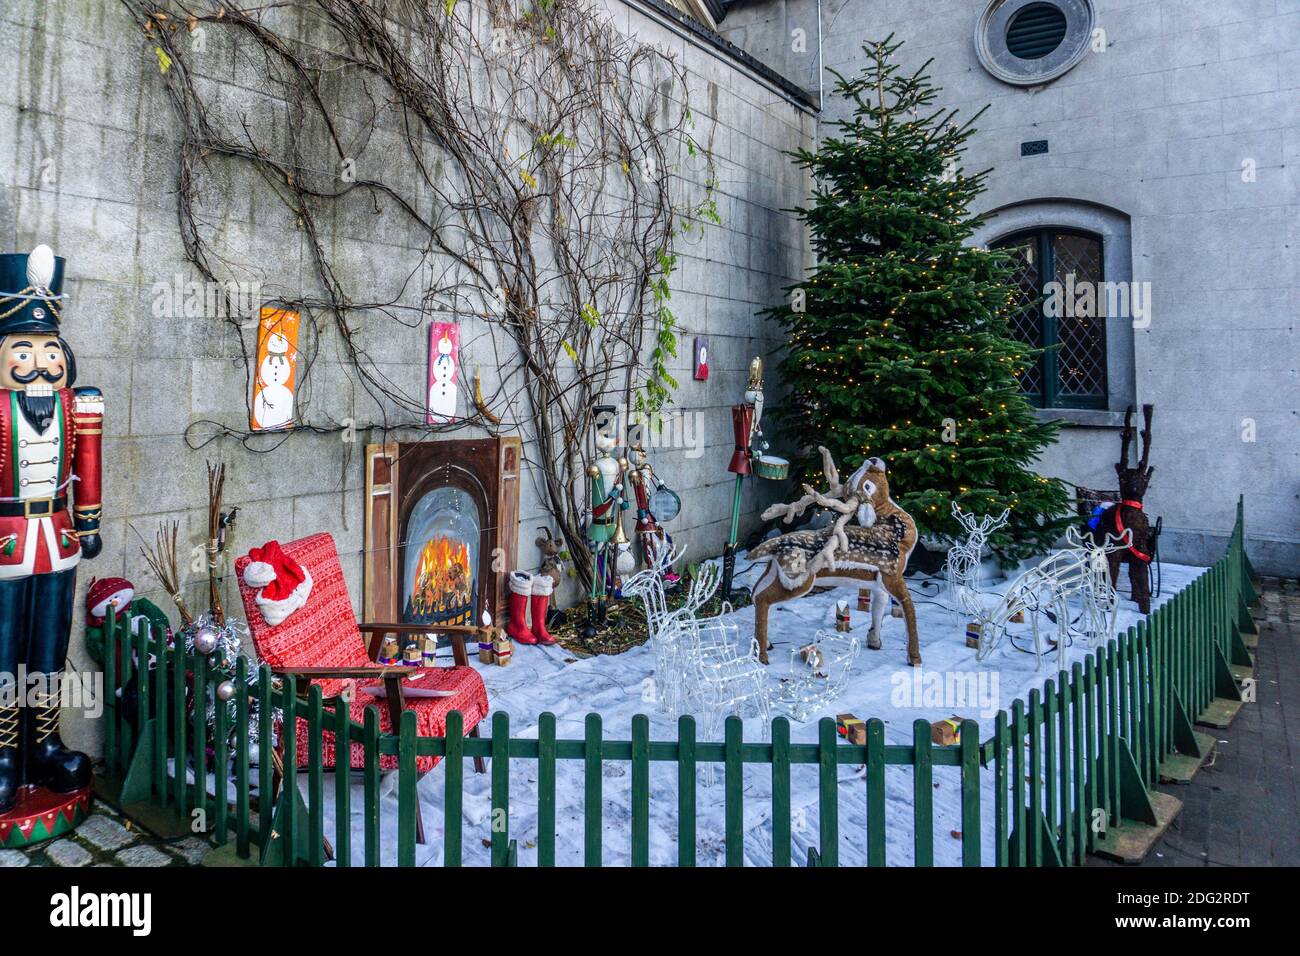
column 947, row 732
column 851, row 728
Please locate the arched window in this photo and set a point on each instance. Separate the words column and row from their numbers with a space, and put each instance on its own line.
column 1061, row 310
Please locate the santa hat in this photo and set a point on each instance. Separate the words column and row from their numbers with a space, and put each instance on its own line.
column 100, row 592
column 282, row 584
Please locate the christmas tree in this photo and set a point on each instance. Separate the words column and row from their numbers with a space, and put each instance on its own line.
column 899, row 343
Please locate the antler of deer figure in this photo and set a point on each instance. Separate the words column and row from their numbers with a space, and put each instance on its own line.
column 1143, row 466
column 1085, row 542
column 1143, row 469
column 985, row 526
column 793, row 510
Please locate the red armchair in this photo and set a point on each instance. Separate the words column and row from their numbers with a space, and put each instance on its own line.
column 322, row 642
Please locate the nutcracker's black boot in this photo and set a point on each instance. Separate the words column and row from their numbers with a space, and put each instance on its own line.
column 49, row 763
column 589, row 630
column 602, row 612
column 9, row 768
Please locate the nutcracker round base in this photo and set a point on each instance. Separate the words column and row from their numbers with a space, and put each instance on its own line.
column 41, row 814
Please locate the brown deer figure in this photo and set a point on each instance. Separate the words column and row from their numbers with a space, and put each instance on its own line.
column 1127, row 513
column 876, row 554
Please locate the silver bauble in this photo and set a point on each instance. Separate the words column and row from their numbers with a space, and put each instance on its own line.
column 226, row 690
column 205, row 640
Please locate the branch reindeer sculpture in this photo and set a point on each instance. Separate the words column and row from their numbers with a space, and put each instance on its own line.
column 875, row 551
column 1079, row 571
column 962, row 569
column 1127, row 514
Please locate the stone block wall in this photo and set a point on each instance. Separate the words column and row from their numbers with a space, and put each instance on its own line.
column 88, row 146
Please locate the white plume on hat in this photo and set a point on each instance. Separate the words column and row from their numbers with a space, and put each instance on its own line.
column 40, row 267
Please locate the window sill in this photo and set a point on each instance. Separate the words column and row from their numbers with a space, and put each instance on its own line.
column 1081, row 417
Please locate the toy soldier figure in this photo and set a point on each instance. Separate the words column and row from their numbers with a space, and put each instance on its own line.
column 50, row 436
column 607, row 506
column 644, row 481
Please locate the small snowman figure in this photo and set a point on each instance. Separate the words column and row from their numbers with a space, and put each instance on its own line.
column 442, row 387
column 273, row 404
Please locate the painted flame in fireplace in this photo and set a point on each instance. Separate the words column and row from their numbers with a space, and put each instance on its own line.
column 442, row 580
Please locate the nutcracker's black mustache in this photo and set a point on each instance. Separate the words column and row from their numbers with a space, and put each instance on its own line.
column 34, row 374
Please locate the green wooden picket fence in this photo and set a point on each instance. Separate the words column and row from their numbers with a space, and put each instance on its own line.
column 1068, row 770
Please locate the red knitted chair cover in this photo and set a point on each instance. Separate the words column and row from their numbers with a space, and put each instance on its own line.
column 324, row 633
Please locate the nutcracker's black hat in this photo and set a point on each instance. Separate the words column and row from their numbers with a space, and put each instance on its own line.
column 31, row 291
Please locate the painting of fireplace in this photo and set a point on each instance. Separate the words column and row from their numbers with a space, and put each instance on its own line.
column 441, row 529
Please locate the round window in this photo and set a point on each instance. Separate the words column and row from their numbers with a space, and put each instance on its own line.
column 1027, row 42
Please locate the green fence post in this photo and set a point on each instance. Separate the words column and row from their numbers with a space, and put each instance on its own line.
column 922, row 790
column 147, row 728
column 220, row 759
column 1018, row 820
column 200, row 729
column 780, row 792
column 162, row 717
column 500, row 787
column 546, row 790
column 316, row 774
column 593, row 801
column 640, row 790
column 1088, row 800
column 1034, row 835
column 875, row 792
column 288, row 809
column 112, row 712
column 1078, row 694
column 242, row 782
column 370, row 775
column 1066, row 832
column 686, row 790
column 828, row 798
column 342, row 784
column 1053, row 777
column 1000, row 785
column 733, row 783
column 454, row 788
column 181, row 726
column 265, row 764
column 970, row 793
column 406, row 792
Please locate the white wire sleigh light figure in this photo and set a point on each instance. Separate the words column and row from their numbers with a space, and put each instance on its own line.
column 1079, row 572
column 962, row 569
column 699, row 667
column 819, row 673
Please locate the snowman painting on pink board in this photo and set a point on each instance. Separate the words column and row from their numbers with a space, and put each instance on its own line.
column 444, row 372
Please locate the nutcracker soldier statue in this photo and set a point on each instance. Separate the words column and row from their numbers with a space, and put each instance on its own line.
column 50, row 436
column 745, row 423
column 641, row 474
column 606, row 512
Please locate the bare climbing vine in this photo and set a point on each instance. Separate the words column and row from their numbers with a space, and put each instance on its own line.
column 542, row 161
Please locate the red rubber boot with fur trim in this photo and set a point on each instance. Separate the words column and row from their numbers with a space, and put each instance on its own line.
column 521, row 587
column 543, row 585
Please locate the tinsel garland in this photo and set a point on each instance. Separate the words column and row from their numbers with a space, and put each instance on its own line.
column 231, row 639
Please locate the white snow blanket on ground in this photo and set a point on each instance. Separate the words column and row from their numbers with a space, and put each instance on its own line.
column 541, row 679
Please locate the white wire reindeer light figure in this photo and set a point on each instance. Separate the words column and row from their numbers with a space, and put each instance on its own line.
column 1078, row 572
column 664, row 628
column 962, row 569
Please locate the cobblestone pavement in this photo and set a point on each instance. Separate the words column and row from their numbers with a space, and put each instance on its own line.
column 1243, row 807
column 107, row 838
